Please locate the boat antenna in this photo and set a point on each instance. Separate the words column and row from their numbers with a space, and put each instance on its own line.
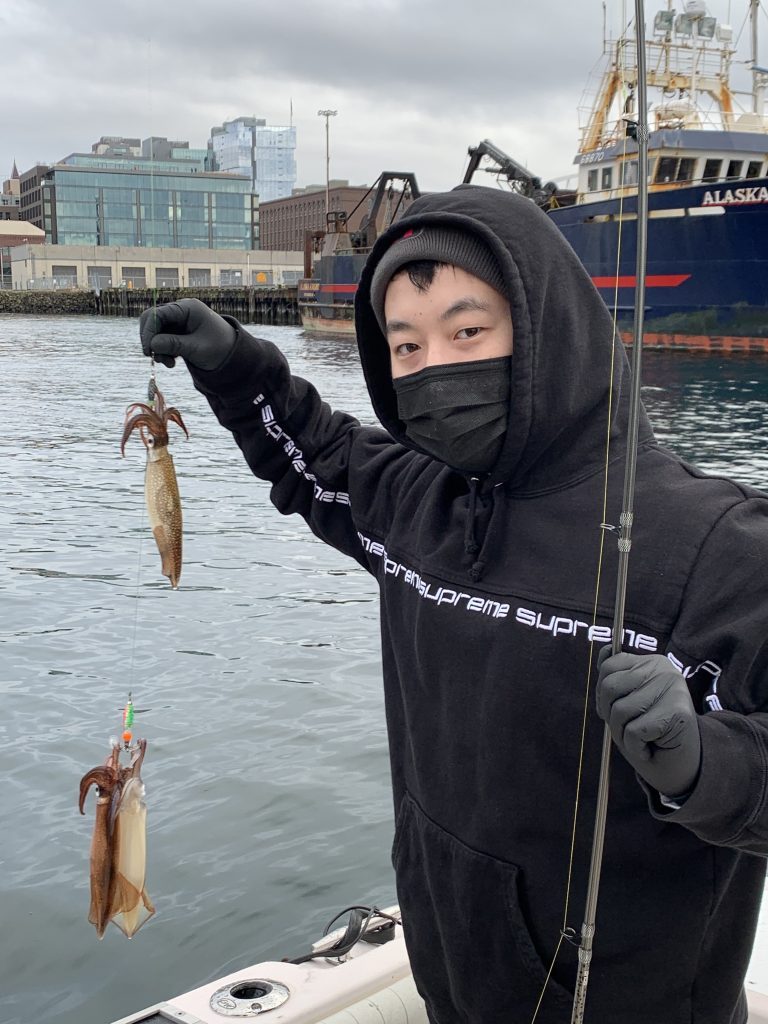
column 640, row 129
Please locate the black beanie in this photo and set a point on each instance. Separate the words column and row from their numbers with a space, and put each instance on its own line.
column 445, row 245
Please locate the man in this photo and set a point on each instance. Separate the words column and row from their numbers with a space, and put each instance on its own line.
column 492, row 363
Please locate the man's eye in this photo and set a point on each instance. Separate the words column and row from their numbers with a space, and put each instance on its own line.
column 469, row 332
column 406, row 348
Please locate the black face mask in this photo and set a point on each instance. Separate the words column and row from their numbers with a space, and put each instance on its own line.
column 458, row 412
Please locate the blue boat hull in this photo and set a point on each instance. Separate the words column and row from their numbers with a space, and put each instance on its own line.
column 326, row 300
column 707, row 272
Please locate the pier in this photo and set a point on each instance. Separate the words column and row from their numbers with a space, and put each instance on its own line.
column 274, row 306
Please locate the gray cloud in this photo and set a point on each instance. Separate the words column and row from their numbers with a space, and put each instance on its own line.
column 415, row 83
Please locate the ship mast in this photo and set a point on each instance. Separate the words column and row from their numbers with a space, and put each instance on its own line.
column 759, row 75
column 696, row 10
column 668, row 40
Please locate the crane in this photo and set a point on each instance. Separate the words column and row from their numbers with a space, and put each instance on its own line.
column 520, row 178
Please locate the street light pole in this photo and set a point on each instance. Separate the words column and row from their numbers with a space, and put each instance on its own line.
column 327, row 114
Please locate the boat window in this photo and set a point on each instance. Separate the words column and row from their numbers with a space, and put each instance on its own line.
column 753, row 169
column 734, row 169
column 666, row 168
column 629, row 172
column 607, row 177
column 712, row 169
column 592, row 180
column 685, row 169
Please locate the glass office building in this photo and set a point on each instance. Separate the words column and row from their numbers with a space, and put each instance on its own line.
column 153, row 207
column 266, row 153
column 275, row 150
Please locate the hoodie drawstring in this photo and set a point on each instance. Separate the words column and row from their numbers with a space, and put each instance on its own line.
column 478, row 566
column 470, row 544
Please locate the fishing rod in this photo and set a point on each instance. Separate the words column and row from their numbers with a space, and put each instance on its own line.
column 626, row 518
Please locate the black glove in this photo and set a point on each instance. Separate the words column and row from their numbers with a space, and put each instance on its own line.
column 187, row 328
column 646, row 703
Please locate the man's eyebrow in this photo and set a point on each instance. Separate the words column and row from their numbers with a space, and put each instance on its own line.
column 393, row 326
column 467, row 304
column 464, row 305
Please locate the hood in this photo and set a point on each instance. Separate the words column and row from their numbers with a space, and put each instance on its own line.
column 561, row 393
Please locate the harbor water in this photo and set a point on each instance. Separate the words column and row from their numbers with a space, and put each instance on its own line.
column 256, row 684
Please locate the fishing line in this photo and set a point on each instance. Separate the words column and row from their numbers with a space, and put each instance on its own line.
column 118, row 845
column 568, row 933
column 626, row 519
column 604, row 527
column 152, row 386
column 132, row 662
column 151, row 389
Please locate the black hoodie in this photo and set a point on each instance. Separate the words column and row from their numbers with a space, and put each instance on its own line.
column 489, row 604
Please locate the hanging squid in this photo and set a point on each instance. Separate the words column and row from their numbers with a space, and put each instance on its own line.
column 118, row 846
column 161, row 490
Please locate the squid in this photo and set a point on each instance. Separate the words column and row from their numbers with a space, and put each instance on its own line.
column 118, row 846
column 161, row 491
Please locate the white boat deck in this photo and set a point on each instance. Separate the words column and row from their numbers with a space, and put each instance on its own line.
column 372, row 986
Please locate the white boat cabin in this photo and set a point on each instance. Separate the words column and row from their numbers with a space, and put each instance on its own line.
column 675, row 160
column 702, row 131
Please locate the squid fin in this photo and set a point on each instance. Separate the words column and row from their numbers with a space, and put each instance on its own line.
column 132, row 907
column 168, row 558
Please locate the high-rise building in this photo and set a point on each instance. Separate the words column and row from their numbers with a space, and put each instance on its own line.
column 248, row 145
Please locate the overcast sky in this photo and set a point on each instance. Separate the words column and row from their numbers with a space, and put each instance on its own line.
column 415, row 83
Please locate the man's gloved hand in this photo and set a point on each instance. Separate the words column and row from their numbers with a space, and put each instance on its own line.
column 187, row 328
column 647, row 706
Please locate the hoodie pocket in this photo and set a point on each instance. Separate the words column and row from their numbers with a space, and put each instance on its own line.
column 470, row 949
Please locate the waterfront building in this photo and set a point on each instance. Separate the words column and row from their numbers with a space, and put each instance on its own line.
column 266, row 153
column 14, row 233
column 46, row 266
column 165, row 197
column 284, row 223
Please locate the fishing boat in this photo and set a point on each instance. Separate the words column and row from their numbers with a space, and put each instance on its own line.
column 326, row 294
column 707, row 283
column 334, row 258
column 356, row 975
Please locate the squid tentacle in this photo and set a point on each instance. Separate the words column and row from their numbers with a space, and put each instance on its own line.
column 151, row 423
column 103, row 777
column 174, row 416
column 148, row 423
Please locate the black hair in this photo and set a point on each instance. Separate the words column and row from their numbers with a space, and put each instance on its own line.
column 421, row 273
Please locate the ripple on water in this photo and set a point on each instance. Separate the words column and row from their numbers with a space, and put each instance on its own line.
column 256, row 684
